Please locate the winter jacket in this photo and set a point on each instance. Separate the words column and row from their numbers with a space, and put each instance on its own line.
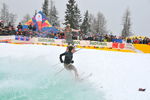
column 68, row 57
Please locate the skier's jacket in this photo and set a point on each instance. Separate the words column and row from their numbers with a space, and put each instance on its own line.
column 68, row 57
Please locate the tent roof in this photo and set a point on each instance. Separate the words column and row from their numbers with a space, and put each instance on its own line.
column 41, row 22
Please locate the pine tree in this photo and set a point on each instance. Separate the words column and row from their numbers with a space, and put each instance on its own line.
column 77, row 17
column 92, row 21
column 69, row 17
column 100, row 23
column 6, row 16
column 12, row 18
column 85, row 27
column 126, row 31
column 45, row 7
column 53, row 14
column 72, row 16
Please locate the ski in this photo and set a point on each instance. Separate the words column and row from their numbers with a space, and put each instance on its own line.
column 85, row 77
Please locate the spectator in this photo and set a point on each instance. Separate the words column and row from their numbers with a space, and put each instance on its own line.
column 1, row 24
column 34, row 28
column 128, row 40
column 30, row 27
column 20, row 27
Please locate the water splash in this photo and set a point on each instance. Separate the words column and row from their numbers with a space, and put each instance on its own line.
column 29, row 78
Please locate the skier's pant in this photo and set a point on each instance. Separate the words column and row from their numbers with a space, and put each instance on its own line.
column 71, row 67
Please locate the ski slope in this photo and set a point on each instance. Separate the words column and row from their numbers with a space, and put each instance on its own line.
column 28, row 72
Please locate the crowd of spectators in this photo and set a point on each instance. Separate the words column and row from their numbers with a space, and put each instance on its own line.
column 138, row 40
column 31, row 32
column 7, row 30
column 101, row 38
column 112, row 38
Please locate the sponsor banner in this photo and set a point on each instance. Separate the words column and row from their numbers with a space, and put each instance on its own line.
column 99, row 44
column 122, row 45
column 109, row 44
column 7, row 38
column 76, row 42
column 22, row 38
column 34, row 40
column 84, row 43
column 129, row 46
column 46, row 40
column 5, row 41
column 51, row 40
column 60, row 41
column 118, row 45
column 117, row 40
column 115, row 45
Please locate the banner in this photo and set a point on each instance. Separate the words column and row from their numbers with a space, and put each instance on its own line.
column 45, row 40
column 99, row 44
column 60, row 41
column 84, row 43
column 129, row 46
column 7, row 37
column 22, row 38
column 115, row 45
column 122, row 45
column 76, row 42
column 117, row 40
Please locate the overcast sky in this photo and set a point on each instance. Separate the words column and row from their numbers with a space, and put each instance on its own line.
column 113, row 10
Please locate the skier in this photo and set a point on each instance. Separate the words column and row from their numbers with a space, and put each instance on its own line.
column 68, row 62
column 69, row 33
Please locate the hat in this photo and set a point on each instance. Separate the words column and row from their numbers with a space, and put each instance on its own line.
column 70, row 48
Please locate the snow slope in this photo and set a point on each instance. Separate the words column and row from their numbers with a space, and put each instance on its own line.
column 115, row 75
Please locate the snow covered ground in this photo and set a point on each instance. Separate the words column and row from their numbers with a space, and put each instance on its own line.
column 115, row 75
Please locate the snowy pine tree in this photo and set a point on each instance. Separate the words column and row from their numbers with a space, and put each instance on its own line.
column 100, row 24
column 72, row 16
column 92, row 21
column 53, row 14
column 77, row 17
column 126, row 31
column 45, row 7
column 69, row 17
column 12, row 18
column 6, row 16
column 85, row 27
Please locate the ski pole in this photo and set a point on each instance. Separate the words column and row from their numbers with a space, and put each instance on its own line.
column 78, row 50
column 56, row 64
column 59, row 71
